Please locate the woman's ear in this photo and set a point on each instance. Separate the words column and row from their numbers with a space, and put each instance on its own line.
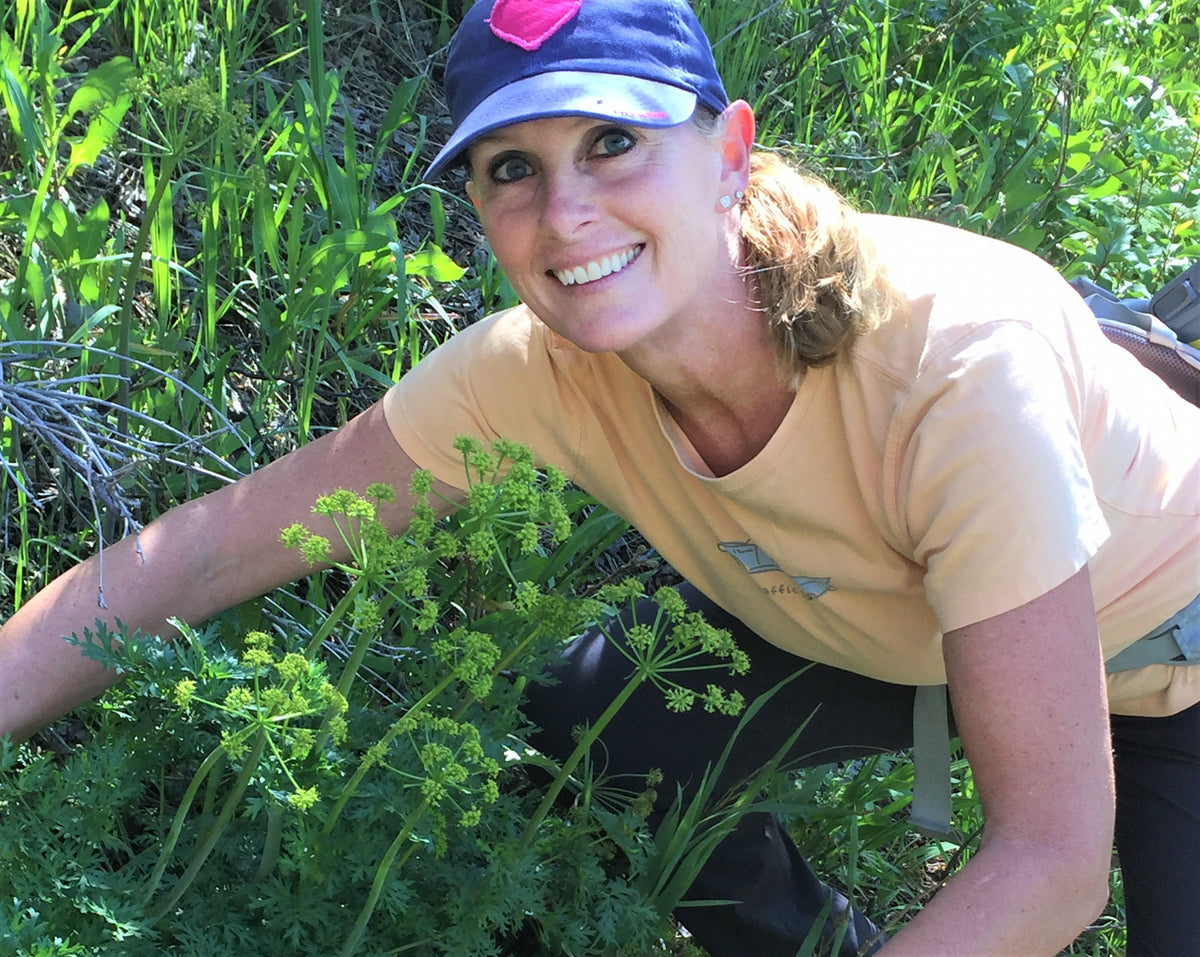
column 471, row 194
column 737, row 143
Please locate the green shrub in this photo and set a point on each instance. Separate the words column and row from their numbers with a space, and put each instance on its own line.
column 247, row 789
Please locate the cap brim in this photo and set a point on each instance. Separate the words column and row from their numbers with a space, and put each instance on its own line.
column 623, row 99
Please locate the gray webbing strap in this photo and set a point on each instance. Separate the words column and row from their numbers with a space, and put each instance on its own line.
column 930, row 811
column 1175, row 642
column 1158, row 649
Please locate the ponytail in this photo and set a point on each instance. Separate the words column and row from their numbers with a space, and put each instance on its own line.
column 817, row 276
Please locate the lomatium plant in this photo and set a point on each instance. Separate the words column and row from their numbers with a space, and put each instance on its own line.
column 357, row 781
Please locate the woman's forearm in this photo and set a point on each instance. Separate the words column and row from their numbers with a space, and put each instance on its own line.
column 1013, row 898
column 146, row 579
column 192, row 562
column 1028, row 692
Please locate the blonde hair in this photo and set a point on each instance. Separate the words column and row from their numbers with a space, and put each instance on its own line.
column 816, row 273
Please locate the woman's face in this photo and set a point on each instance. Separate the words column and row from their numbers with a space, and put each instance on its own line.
column 611, row 234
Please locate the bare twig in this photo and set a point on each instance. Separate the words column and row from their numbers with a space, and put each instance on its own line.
column 100, row 442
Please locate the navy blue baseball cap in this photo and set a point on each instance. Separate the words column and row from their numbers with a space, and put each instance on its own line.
column 642, row 62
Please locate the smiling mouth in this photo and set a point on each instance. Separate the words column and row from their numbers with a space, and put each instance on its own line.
column 605, row 266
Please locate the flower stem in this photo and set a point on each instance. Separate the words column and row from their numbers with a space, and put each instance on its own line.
column 209, row 841
column 585, row 743
column 381, row 872
column 366, row 764
column 189, row 795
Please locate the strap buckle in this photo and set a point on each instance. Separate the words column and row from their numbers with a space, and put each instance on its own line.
column 1178, row 303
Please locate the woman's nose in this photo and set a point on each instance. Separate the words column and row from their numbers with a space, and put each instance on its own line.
column 568, row 202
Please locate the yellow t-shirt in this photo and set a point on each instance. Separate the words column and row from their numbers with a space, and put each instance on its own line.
column 971, row 454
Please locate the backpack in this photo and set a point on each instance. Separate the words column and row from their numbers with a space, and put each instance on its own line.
column 1163, row 332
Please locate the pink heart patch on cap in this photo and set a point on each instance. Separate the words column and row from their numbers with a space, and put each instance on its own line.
column 530, row 23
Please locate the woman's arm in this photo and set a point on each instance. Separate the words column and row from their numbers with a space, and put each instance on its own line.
column 196, row 560
column 1029, row 700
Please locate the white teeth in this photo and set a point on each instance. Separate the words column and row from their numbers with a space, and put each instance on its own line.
column 579, row 275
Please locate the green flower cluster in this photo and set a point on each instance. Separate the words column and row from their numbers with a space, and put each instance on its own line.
column 507, row 490
column 471, row 656
column 195, row 107
column 284, row 697
column 459, row 775
column 512, row 510
column 678, row 642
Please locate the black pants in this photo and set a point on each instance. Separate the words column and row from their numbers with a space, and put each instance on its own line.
column 1158, row 790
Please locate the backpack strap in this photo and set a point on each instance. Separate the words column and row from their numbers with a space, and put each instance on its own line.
column 1175, row 642
column 1162, row 348
column 929, row 813
column 1178, row 304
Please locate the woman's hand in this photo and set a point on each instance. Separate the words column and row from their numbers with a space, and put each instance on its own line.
column 1029, row 700
column 195, row 561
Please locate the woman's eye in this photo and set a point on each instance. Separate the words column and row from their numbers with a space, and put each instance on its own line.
column 614, row 143
column 508, row 169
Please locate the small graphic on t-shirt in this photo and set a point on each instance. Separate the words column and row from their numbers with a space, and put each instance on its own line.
column 756, row 561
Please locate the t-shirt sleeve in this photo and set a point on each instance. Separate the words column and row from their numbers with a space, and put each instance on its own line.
column 993, row 491
column 494, row 379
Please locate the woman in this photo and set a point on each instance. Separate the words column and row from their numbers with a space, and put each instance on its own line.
column 897, row 450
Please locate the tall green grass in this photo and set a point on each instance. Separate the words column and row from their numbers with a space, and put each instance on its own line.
column 1070, row 128
column 242, row 243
